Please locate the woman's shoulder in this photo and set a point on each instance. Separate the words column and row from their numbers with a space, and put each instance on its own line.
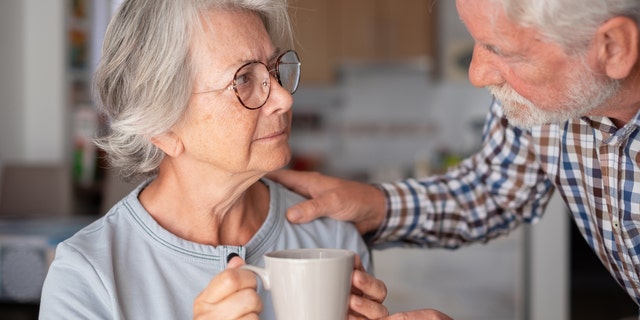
column 87, row 240
column 285, row 198
column 96, row 240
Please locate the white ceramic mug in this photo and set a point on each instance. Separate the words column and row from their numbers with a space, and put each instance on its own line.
column 310, row 284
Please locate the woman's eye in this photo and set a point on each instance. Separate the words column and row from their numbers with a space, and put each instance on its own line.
column 243, row 79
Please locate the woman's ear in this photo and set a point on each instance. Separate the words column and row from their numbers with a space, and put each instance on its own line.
column 617, row 44
column 170, row 143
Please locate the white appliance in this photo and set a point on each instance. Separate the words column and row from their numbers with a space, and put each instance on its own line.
column 27, row 248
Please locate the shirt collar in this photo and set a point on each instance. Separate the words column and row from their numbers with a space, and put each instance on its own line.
column 611, row 134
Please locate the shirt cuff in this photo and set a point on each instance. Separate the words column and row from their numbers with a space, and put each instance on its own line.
column 377, row 236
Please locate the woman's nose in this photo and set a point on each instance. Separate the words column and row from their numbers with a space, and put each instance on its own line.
column 280, row 99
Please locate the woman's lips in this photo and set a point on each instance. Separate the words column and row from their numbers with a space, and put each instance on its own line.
column 274, row 135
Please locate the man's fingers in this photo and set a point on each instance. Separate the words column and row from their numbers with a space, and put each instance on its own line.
column 294, row 180
column 307, row 210
column 301, row 183
column 362, row 203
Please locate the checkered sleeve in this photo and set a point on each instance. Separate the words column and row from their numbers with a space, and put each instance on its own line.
column 486, row 196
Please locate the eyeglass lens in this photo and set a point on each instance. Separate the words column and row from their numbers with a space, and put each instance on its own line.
column 252, row 85
column 289, row 71
column 252, row 82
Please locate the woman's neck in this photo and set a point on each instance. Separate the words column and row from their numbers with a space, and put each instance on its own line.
column 213, row 213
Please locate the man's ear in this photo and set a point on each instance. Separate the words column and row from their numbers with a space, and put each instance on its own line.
column 617, row 45
column 170, row 143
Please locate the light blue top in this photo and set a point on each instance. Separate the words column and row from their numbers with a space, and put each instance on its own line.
column 126, row 266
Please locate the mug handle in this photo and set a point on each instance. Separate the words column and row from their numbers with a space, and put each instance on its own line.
column 260, row 272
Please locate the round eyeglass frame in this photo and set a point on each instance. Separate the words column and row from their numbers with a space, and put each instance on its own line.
column 275, row 72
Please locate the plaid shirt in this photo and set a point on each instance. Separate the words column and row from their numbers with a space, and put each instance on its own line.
column 593, row 165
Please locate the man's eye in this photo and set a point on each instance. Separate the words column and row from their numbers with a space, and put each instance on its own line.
column 492, row 49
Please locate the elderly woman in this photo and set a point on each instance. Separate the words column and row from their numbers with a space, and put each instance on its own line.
column 198, row 97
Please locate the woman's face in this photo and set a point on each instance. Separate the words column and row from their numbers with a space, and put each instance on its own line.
column 217, row 130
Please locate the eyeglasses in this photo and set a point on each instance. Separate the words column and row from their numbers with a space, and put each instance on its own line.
column 252, row 81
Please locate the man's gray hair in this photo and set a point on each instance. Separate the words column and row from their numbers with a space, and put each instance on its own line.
column 570, row 23
column 144, row 79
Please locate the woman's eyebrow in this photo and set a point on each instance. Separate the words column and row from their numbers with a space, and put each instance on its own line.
column 274, row 55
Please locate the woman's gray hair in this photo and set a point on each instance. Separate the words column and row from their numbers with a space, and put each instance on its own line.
column 145, row 77
column 570, row 23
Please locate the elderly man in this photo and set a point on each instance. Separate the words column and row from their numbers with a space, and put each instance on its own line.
column 566, row 79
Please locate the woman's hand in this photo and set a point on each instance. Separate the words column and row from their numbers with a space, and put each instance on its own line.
column 230, row 295
column 367, row 295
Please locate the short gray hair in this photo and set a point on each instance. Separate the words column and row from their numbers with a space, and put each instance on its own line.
column 145, row 77
column 570, row 23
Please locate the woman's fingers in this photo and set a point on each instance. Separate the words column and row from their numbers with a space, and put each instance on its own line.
column 231, row 294
column 367, row 294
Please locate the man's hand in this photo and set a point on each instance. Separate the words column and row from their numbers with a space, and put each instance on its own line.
column 361, row 203
column 422, row 314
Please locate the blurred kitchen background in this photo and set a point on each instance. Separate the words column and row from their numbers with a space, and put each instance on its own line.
column 384, row 96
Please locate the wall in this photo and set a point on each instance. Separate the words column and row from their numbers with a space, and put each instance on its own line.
column 33, row 114
column 11, row 79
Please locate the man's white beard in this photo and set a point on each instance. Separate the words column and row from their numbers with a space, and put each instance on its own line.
column 586, row 92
